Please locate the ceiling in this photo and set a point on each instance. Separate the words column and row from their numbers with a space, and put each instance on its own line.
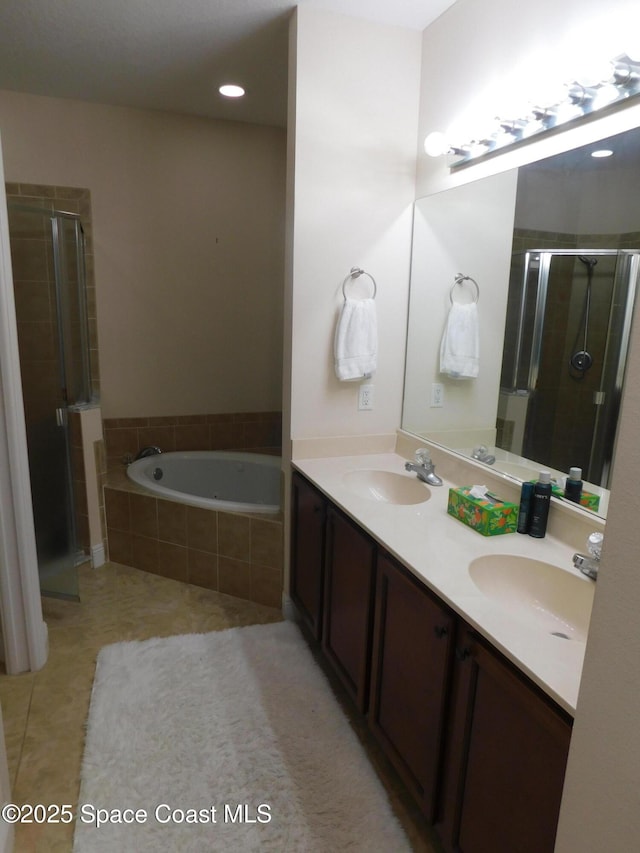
column 170, row 54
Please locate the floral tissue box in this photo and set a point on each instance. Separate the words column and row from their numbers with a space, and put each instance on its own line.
column 489, row 517
column 587, row 499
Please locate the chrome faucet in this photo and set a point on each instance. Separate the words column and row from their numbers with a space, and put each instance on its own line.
column 424, row 468
column 589, row 565
column 481, row 453
column 152, row 450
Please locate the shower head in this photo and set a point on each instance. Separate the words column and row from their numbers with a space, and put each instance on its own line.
column 588, row 262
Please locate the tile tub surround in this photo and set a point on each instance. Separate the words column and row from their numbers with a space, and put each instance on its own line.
column 234, row 553
column 257, row 431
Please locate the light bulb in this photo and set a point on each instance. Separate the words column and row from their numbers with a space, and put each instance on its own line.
column 567, row 112
column 594, row 70
column 436, row 144
column 606, row 94
column 231, row 90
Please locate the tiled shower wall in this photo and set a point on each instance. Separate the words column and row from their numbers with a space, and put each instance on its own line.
column 562, row 439
column 33, row 264
column 34, row 289
column 526, row 238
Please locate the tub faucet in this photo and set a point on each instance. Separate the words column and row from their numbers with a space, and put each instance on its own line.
column 152, row 450
column 424, row 468
column 589, row 565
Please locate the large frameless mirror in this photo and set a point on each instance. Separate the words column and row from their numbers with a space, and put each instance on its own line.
column 555, row 249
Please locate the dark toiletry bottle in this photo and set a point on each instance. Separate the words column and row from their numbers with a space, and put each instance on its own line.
column 524, row 512
column 540, row 505
column 573, row 486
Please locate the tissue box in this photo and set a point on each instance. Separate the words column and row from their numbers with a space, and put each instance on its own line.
column 590, row 501
column 488, row 518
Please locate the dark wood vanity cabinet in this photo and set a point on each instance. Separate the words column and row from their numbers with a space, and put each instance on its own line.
column 506, row 755
column 481, row 748
column 348, row 598
column 413, row 642
column 309, row 508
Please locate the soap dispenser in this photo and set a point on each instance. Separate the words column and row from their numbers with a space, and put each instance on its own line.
column 540, row 505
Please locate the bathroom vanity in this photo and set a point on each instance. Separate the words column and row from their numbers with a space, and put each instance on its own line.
column 470, row 695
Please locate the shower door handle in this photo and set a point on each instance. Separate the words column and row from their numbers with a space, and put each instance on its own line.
column 61, row 417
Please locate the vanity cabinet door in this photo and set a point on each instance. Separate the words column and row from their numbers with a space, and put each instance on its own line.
column 307, row 551
column 506, row 758
column 348, row 603
column 412, row 650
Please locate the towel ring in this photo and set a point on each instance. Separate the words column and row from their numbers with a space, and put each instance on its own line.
column 459, row 280
column 356, row 272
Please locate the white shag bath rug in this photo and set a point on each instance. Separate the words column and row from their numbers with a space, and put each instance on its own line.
column 229, row 741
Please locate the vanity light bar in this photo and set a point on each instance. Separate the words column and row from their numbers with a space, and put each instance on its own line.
column 581, row 100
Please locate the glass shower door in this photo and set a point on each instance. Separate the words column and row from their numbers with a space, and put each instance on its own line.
column 609, row 396
column 45, row 272
column 53, row 504
column 573, row 313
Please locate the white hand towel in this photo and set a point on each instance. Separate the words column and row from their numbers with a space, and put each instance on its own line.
column 356, row 340
column 460, row 348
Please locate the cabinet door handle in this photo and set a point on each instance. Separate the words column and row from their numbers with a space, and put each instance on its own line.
column 463, row 654
column 441, row 631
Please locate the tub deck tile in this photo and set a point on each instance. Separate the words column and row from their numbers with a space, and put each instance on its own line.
column 240, row 554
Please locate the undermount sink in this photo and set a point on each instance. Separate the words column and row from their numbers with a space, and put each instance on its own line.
column 555, row 601
column 387, row 487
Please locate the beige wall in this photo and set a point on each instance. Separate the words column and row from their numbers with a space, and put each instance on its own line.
column 188, row 221
column 599, row 810
column 450, row 238
column 600, row 806
column 355, row 108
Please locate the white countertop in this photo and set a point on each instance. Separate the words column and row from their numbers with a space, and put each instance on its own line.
column 437, row 549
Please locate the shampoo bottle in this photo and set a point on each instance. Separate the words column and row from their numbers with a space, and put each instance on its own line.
column 573, row 487
column 540, row 505
column 524, row 512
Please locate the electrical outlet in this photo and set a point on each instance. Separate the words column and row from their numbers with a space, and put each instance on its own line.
column 365, row 397
column 437, row 395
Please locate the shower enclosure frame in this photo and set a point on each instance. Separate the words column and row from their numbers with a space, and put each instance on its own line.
column 75, row 386
column 545, row 256
column 87, row 397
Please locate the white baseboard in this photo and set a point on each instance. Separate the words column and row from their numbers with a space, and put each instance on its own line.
column 97, row 556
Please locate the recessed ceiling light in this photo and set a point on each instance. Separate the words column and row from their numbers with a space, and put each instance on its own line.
column 230, row 90
column 602, row 152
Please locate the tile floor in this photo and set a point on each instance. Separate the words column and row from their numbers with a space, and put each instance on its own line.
column 45, row 712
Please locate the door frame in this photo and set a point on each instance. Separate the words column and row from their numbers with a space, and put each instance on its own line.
column 24, row 631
